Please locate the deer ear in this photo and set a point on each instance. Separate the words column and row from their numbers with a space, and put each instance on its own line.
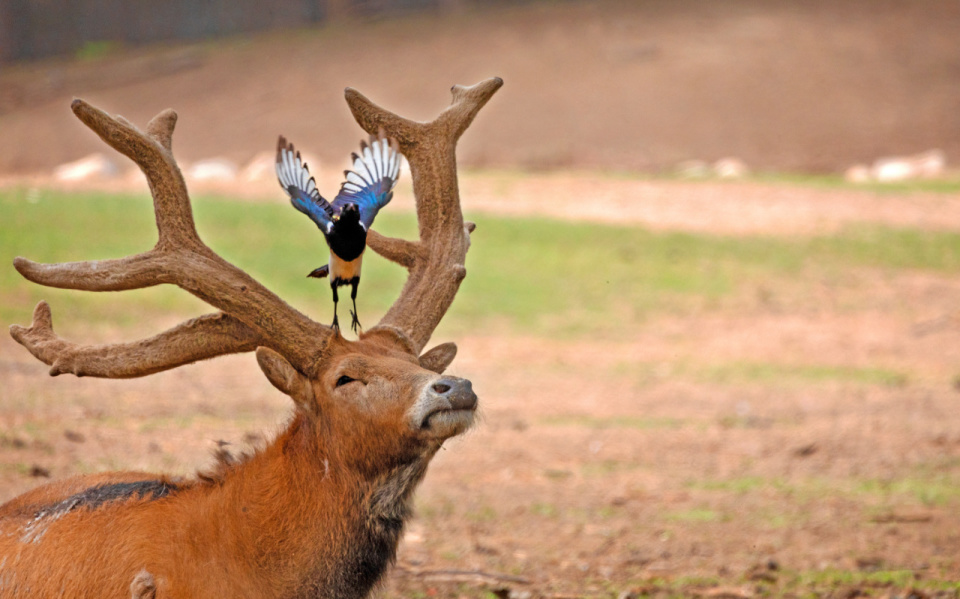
column 286, row 378
column 439, row 358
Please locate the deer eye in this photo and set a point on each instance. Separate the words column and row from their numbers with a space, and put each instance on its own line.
column 344, row 380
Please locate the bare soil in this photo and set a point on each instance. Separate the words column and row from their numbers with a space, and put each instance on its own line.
column 663, row 464
column 666, row 463
column 598, row 466
column 810, row 86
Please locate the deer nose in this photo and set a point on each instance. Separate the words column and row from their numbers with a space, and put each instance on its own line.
column 457, row 391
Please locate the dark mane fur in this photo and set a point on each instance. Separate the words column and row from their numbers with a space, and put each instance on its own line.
column 95, row 497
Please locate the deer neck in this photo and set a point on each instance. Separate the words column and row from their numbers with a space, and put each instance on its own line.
column 319, row 524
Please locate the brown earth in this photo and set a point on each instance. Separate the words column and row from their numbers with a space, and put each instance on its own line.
column 717, row 453
column 813, row 85
column 600, row 466
column 810, row 426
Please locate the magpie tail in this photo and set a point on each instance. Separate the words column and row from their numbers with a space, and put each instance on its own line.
column 320, row 273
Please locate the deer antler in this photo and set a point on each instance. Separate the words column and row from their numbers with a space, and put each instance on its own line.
column 436, row 261
column 192, row 339
column 251, row 314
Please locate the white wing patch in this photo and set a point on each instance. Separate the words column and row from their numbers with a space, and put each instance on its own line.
column 291, row 170
column 376, row 161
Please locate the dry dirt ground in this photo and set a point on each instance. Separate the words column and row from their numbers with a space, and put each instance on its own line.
column 662, row 464
column 667, row 463
column 599, row 467
column 812, row 85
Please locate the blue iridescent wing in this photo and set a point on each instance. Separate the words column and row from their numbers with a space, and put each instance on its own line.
column 295, row 179
column 370, row 184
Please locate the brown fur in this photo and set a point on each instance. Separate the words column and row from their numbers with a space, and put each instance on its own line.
column 322, row 507
column 143, row 586
column 319, row 511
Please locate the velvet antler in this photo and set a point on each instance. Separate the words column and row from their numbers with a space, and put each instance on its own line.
column 251, row 314
column 436, row 261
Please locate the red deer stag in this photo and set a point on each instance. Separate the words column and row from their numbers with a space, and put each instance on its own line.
column 320, row 510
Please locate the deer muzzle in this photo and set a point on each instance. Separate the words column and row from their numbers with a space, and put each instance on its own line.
column 446, row 407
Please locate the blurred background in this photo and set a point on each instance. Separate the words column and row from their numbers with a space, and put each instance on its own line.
column 712, row 311
column 808, row 86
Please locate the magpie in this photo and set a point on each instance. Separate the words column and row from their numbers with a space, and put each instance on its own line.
column 345, row 221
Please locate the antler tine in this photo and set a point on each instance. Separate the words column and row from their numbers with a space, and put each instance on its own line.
column 151, row 151
column 467, row 102
column 251, row 314
column 140, row 358
column 436, row 261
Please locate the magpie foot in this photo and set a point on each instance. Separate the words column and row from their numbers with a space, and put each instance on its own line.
column 336, row 323
column 355, row 322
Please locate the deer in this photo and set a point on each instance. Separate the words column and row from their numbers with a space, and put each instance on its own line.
column 319, row 510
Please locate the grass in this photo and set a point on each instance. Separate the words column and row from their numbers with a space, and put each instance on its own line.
column 761, row 373
column 541, row 276
column 935, row 489
column 829, row 582
column 96, row 50
column 739, row 485
column 694, row 515
column 545, row 510
column 836, row 181
column 778, row 374
column 947, row 185
column 834, row 578
column 606, row 468
column 929, row 485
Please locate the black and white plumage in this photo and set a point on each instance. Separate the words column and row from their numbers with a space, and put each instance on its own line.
column 345, row 221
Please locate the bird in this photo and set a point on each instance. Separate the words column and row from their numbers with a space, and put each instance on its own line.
column 366, row 189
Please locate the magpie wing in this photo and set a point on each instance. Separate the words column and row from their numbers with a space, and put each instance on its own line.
column 295, row 179
column 370, row 184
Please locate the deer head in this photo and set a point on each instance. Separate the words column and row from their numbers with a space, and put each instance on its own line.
column 377, row 408
column 396, row 410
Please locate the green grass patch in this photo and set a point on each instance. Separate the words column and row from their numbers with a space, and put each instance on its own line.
column 762, row 373
column 541, row 276
column 835, row 578
column 545, row 510
column 606, row 468
column 830, row 582
column 504, row 179
column 836, row 181
column 693, row 515
column 92, row 51
column 770, row 373
column 937, row 489
column 484, row 513
column 927, row 485
column 739, row 485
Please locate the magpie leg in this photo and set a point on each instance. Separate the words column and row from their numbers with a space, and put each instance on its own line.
column 355, row 322
column 336, row 322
